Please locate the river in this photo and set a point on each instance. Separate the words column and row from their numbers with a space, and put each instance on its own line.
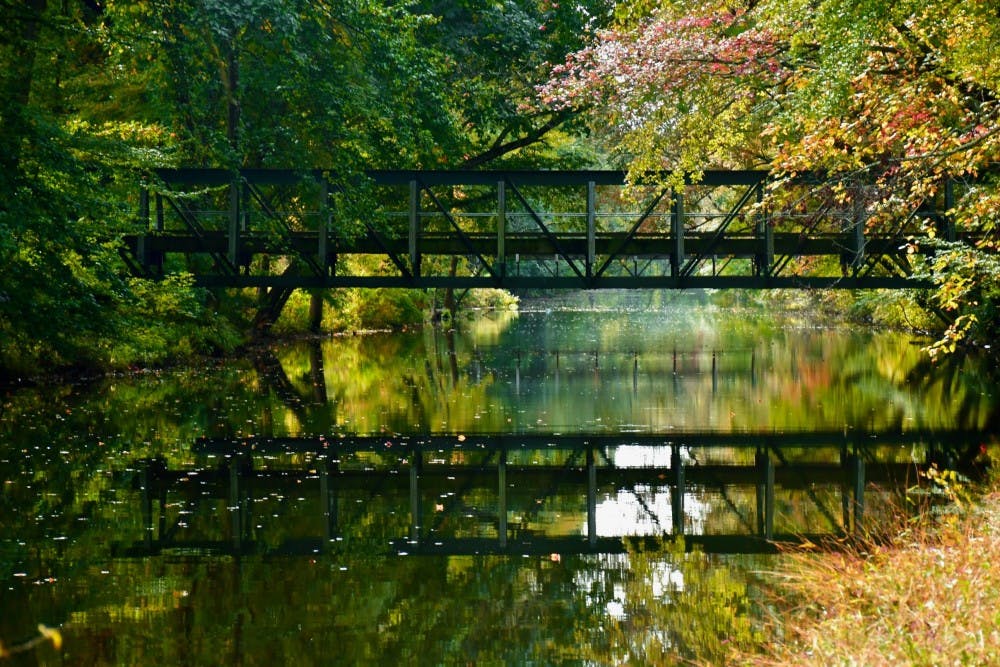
column 502, row 489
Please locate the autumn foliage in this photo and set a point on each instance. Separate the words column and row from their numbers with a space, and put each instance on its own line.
column 895, row 104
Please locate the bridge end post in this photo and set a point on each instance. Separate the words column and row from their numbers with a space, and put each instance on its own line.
column 150, row 261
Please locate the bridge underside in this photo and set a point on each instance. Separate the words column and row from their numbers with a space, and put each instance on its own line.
column 516, row 230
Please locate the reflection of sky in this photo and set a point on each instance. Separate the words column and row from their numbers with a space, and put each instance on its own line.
column 646, row 512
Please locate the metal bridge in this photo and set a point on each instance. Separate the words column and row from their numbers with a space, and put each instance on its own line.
column 284, row 229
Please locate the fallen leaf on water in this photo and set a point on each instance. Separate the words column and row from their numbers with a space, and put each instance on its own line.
column 51, row 633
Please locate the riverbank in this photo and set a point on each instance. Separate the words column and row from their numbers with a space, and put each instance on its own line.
column 930, row 595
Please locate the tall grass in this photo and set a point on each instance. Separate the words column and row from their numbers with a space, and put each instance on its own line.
column 921, row 590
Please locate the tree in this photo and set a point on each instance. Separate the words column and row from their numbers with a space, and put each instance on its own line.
column 492, row 55
column 894, row 102
column 55, row 279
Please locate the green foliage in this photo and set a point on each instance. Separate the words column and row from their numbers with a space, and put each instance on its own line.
column 355, row 310
column 94, row 95
column 169, row 319
column 387, row 308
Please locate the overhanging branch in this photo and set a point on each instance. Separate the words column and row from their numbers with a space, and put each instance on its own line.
column 498, row 150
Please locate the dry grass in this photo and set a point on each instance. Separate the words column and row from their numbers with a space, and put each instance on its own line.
column 929, row 596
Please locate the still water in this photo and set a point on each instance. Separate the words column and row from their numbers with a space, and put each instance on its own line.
column 503, row 490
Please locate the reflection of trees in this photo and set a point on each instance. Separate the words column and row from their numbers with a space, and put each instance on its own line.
column 400, row 383
column 307, row 399
column 964, row 383
column 670, row 607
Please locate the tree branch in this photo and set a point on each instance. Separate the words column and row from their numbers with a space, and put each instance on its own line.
column 498, row 150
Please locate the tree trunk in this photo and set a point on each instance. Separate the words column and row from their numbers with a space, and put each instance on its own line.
column 316, row 311
column 449, row 292
column 21, row 31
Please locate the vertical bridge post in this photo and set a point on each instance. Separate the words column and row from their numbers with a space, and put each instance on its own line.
column 142, row 250
column 765, row 494
column 159, row 212
column 416, row 512
column 949, row 204
column 414, row 227
column 501, row 229
column 323, row 226
column 237, row 506
column 234, row 221
column 591, row 498
column 677, row 231
column 765, row 233
column 856, row 472
column 677, row 492
column 144, row 206
column 855, row 241
column 502, row 499
column 591, row 228
column 328, row 499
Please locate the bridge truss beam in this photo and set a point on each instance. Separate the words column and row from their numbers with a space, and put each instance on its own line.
column 284, row 229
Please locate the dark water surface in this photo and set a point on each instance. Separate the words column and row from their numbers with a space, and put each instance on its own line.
column 228, row 514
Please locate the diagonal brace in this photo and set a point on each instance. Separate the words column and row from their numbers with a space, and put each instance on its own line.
column 552, row 238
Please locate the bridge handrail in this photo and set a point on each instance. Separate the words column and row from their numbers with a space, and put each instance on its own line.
column 555, row 177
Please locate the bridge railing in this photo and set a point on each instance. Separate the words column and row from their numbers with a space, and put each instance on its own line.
column 579, row 229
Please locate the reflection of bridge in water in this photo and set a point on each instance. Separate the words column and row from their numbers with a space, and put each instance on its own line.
column 531, row 493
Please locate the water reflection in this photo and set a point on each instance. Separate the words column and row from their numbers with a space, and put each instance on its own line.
column 560, row 372
column 259, row 509
column 541, row 494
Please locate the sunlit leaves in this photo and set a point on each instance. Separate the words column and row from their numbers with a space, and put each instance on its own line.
column 890, row 100
column 676, row 88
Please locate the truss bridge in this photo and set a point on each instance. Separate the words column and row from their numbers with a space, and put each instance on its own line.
column 286, row 229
